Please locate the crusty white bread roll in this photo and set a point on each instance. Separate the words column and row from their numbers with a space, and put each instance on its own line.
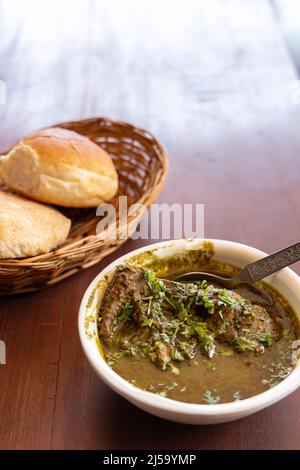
column 28, row 228
column 60, row 167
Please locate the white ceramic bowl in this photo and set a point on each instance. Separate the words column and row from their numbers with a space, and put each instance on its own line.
column 286, row 282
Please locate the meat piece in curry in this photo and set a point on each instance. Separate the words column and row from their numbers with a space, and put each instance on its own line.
column 172, row 320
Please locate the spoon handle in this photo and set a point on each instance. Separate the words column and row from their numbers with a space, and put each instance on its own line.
column 270, row 264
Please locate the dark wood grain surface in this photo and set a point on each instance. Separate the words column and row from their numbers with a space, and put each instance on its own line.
column 215, row 82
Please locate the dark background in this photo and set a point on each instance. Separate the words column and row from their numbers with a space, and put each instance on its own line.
column 216, row 82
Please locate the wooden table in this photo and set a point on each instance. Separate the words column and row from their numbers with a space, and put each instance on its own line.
column 215, row 82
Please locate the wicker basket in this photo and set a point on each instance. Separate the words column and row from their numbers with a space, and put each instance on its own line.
column 141, row 164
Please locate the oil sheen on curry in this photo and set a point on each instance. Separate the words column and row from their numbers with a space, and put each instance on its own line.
column 194, row 342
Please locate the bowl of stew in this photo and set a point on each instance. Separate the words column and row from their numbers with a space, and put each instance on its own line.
column 193, row 353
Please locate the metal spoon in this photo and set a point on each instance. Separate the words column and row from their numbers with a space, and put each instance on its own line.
column 252, row 272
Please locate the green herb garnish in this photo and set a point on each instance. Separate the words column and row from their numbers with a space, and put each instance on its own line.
column 237, row 396
column 211, row 365
column 267, row 340
column 126, row 311
column 210, row 398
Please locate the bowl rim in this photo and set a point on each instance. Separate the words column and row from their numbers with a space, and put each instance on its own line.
column 153, row 401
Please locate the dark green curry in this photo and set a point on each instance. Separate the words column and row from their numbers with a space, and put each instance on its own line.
column 194, row 342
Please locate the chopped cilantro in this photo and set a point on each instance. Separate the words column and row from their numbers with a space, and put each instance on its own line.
column 126, row 311
column 227, row 299
column 226, row 353
column 211, row 365
column 267, row 340
column 237, row 396
column 210, row 398
column 174, row 369
column 113, row 358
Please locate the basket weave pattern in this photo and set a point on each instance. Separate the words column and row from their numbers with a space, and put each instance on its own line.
column 141, row 164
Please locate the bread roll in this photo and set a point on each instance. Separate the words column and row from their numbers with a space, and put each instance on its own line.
column 60, row 167
column 28, row 228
